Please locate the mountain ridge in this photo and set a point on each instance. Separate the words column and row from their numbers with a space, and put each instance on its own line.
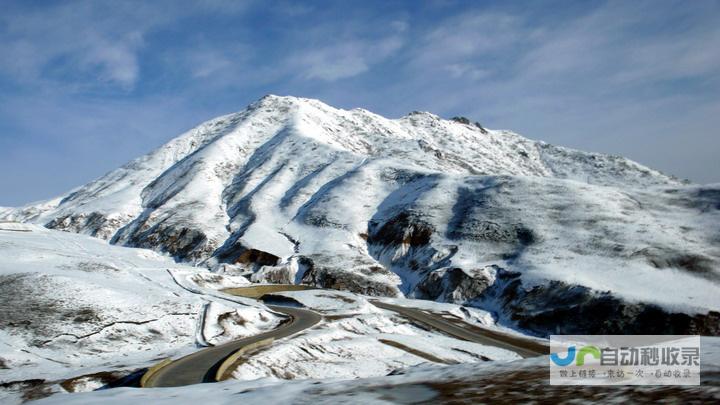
column 209, row 131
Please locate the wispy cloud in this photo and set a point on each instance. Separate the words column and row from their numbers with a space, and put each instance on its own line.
column 69, row 42
column 88, row 42
column 343, row 60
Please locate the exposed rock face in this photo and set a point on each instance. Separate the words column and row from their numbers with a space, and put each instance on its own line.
column 699, row 264
column 404, row 242
column 455, row 284
column 186, row 242
column 406, row 228
column 273, row 275
column 94, row 224
column 290, row 271
column 258, row 257
column 239, row 254
column 349, row 281
column 559, row 308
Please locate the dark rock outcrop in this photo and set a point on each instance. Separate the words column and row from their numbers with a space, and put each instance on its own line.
column 405, row 228
column 697, row 264
column 257, row 257
column 273, row 275
column 93, row 224
column 453, row 285
column 556, row 307
column 348, row 281
column 184, row 243
column 235, row 252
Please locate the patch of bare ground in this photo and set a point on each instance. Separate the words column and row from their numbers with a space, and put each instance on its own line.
column 339, row 317
column 29, row 390
column 77, row 384
column 258, row 291
column 525, row 343
column 426, row 356
column 34, row 389
column 342, row 298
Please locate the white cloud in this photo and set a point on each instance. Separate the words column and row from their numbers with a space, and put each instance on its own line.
column 116, row 60
column 465, row 70
column 399, row 26
column 343, row 59
column 206, row 62
column 332, row 64
column 89, row 42
column 469, row 36
column 77, row 38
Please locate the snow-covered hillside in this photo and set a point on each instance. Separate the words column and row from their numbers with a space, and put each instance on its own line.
column 294, row 190
column 72, row 305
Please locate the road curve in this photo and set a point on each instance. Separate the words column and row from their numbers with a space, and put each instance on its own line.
column 522, row 346
column 202, row 365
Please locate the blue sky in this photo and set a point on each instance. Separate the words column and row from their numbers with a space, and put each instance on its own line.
column 87, row 85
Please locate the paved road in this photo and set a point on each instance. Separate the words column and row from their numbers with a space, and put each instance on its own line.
column 522, row 346
column 202, row 365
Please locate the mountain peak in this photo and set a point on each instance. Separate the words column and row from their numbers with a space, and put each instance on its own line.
column 301, row 145
column 274, row 100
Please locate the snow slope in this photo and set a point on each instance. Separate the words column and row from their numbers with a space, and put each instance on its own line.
column 294, row 190
column 360, row 340
column 72, row 305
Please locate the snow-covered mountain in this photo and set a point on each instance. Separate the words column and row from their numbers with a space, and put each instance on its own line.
column 292, row 189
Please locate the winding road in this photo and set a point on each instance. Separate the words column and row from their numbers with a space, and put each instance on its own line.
column 202, row 365
column 522, row 346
